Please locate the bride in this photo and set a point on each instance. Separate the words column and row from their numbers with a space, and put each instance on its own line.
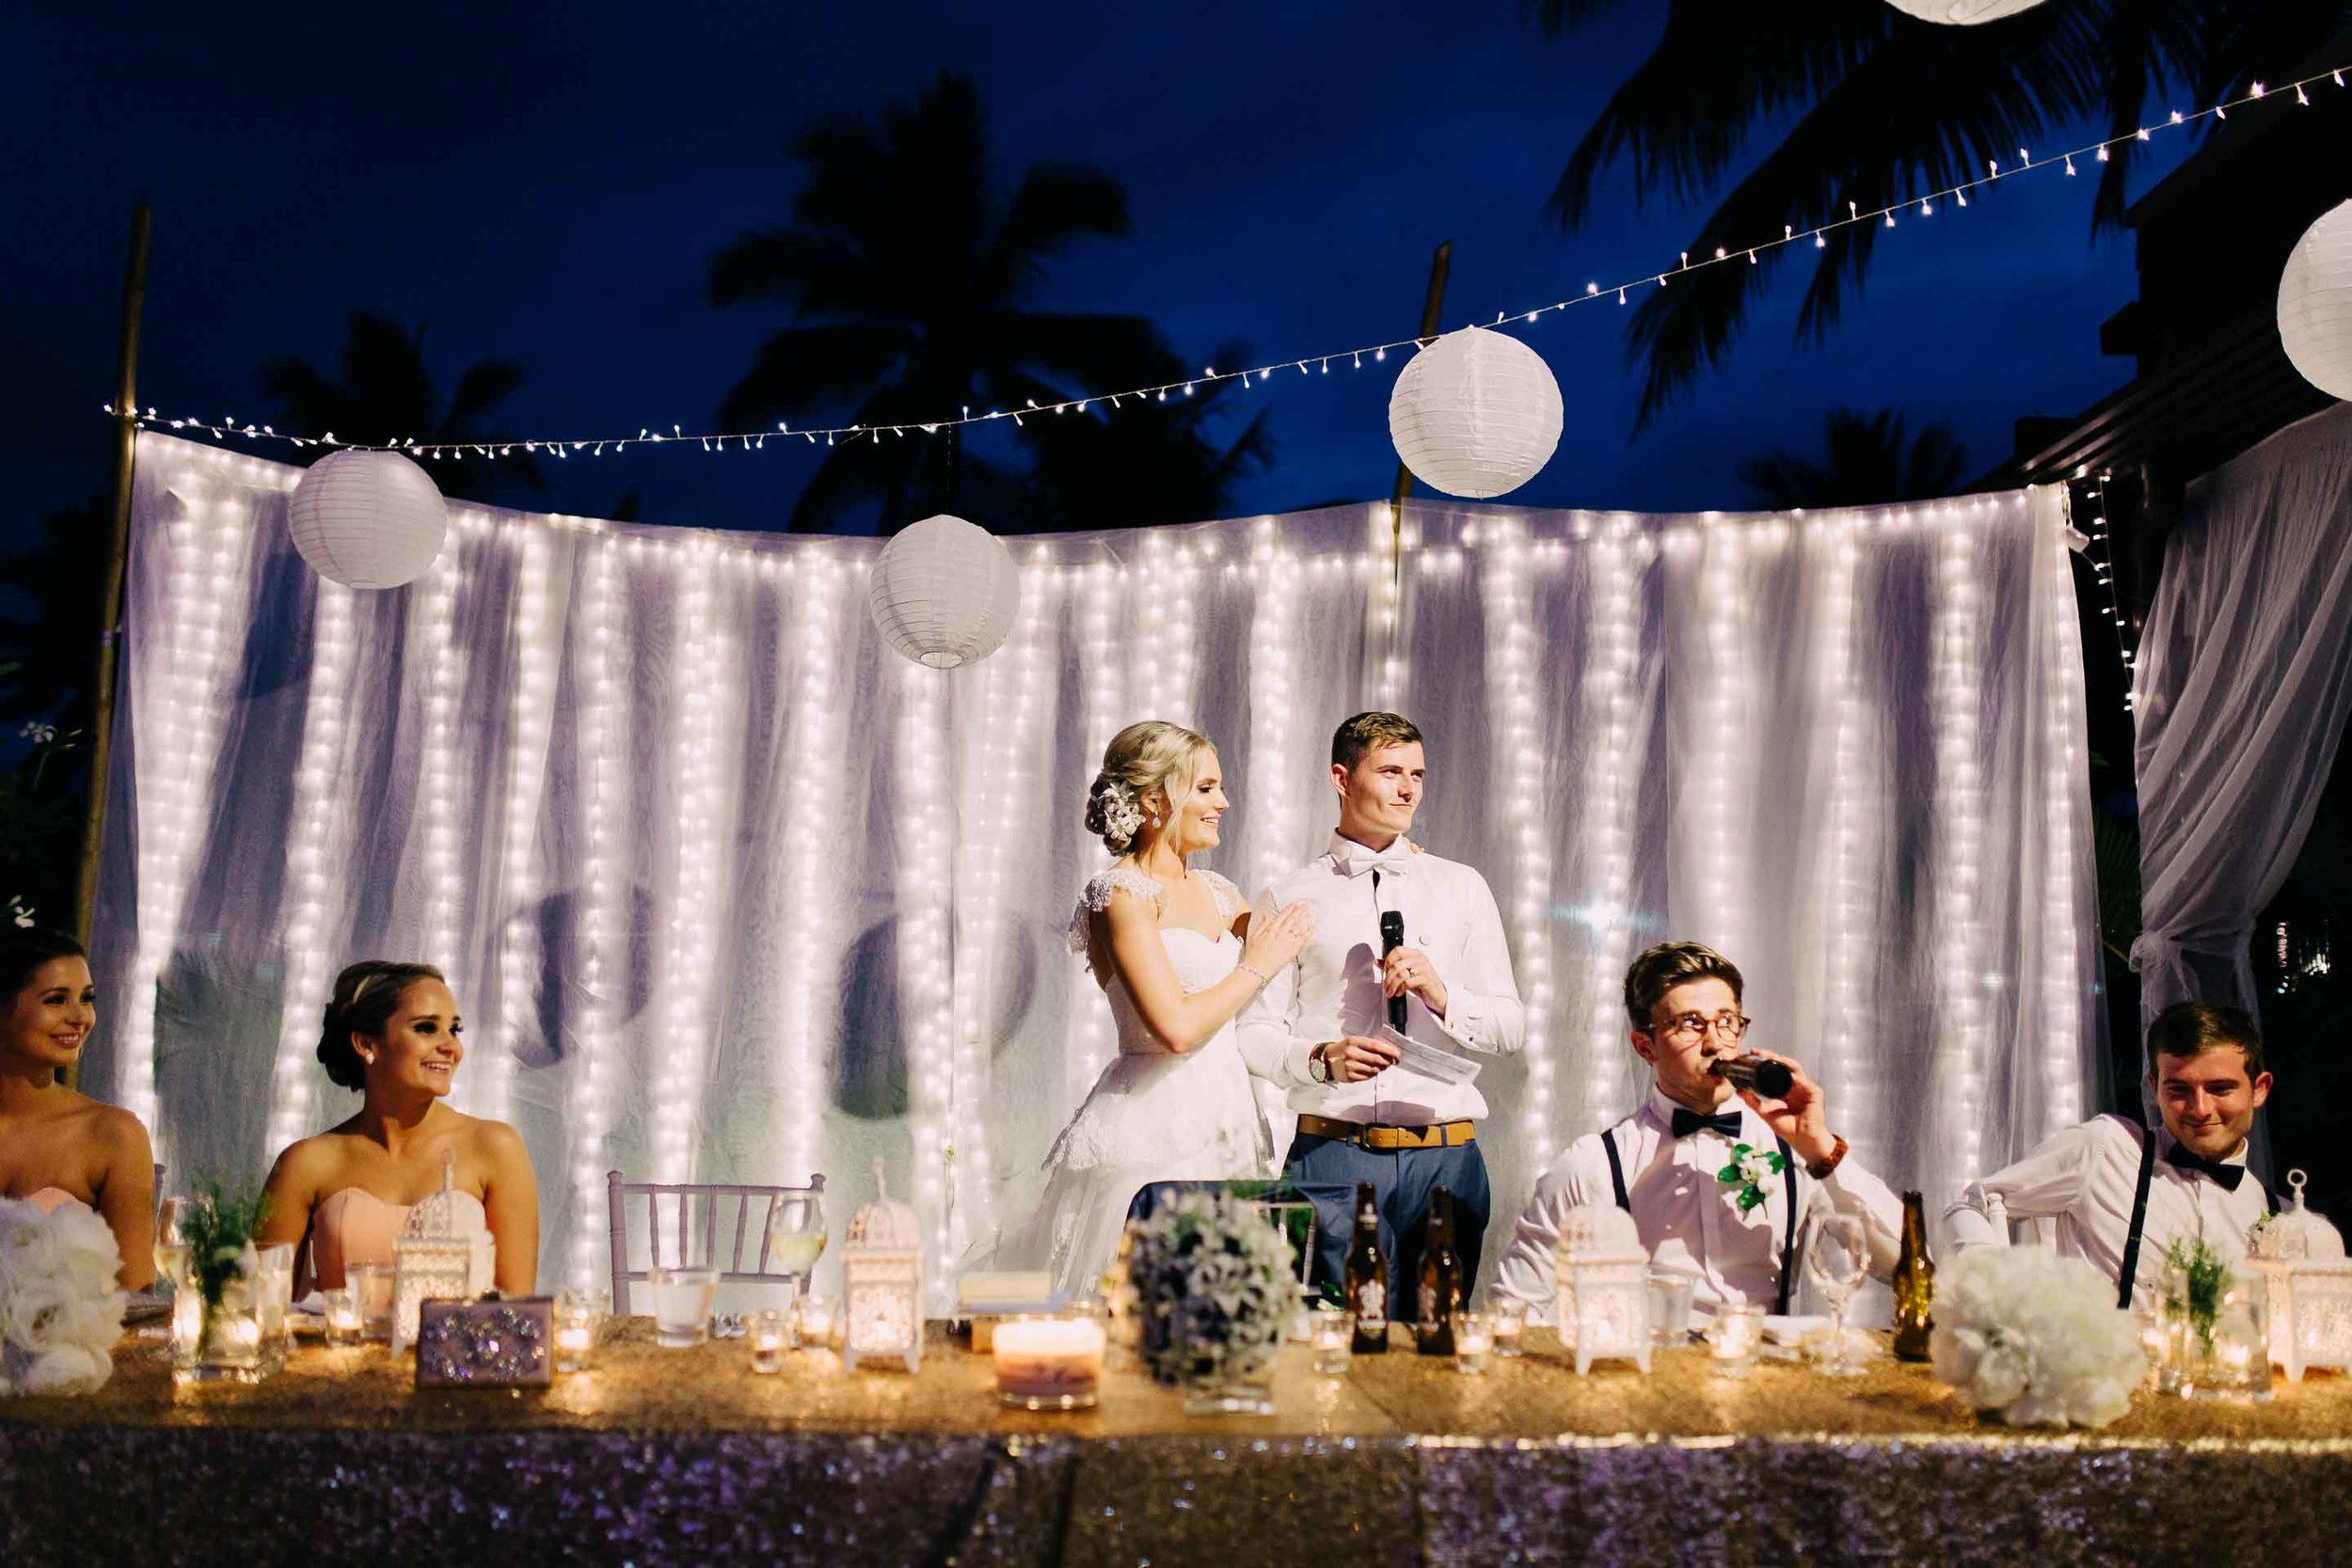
column 1176, row 952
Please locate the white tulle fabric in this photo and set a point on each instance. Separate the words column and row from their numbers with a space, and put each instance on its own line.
column 728, row 891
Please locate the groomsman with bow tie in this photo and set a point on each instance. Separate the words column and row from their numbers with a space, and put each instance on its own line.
column 2122, row 1192
column 1363, row 1116
column 1731, row 1222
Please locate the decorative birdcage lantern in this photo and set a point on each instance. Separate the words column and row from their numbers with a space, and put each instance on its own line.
column 1602, row 1287
column 2300, row 1257
column 882, row 1282
column 445, row 1252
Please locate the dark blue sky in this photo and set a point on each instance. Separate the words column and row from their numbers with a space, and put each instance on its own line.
column 545, row 186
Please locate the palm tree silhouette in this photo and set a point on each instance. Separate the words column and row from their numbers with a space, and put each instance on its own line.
column 1881, row 107
column 1149, row 462
column 387, row 393
column 1868, row 463
column 911, row 281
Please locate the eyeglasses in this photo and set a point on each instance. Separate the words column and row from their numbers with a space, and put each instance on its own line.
column 1689, row 1026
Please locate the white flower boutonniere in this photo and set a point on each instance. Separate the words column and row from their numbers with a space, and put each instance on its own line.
column 1750, row 1169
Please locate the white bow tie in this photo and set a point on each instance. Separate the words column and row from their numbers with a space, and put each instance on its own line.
column 1395, row 860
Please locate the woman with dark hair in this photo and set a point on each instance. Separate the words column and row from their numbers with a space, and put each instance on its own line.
column 392, row 1032
column 57, row 1146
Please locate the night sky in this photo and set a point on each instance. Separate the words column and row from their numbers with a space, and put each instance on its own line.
column 546, row 185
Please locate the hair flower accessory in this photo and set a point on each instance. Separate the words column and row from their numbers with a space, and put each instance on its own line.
column 1750, row 1169
column 1122, row 817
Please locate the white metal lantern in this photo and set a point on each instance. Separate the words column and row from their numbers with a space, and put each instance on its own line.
column 1601, row 1281
column 944, row 592
column 2315, row 303
column 1477, row 413
column 1962, row 13
column 445, row 1252
column 367, row 520
column 882, row 1282
column 2302, row 1260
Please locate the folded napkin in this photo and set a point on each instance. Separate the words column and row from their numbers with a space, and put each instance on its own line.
column 1792, row 1329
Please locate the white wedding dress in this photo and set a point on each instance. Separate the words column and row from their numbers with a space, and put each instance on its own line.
column 1154, row 1116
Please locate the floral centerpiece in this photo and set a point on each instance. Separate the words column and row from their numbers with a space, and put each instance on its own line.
column 1213, row 1286
column 222, row 1270
column 2035, row 1338
column 60, row 1310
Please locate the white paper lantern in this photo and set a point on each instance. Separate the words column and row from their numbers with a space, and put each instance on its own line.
column 1476, row 414
column 2315, row 303
column 944, row 592
column 1962, row 13
column 368, row 519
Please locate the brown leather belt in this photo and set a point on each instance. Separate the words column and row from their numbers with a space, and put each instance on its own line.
column 1444, row 1135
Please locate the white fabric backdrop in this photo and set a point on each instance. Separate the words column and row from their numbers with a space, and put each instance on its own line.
column 2243, row 682
column 727, row 889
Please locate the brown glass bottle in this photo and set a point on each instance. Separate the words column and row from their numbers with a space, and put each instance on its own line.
column 1368, row 1277
column 1915, row 1283
column 1440, row 1293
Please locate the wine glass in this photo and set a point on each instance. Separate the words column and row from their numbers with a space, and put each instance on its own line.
column 796, row 1235
column 171, row 1247
column 1835, row 1255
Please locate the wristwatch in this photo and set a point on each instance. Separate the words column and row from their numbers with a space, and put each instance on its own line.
column 1820, row 1171
column 1318, row 1064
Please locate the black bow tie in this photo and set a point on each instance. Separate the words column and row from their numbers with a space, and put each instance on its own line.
column 1688, row 1122
column 2229, row 1175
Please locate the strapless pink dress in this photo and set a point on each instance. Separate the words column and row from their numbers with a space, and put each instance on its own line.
column 352, row 1225
column 51, row 1200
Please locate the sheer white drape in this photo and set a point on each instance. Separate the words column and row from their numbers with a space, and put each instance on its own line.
column 725, row 888
column 2243, row 680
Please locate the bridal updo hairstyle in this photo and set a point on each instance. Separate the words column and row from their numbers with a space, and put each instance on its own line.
column 1153, row 754
column 366, row 996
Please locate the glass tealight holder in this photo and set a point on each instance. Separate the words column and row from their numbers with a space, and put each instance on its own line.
column 273, row 1299
column 1508, row 1318
column 371, row 1288
column 1048, row 1363
column 578, row 1322
column 681, row 1303
column 1473, row 1342
column 343, row 1326
column 1669, row 1307
column 2155, row 1342
column 771, row 1332
column 1333, row 1337
column 1735, row 1338
column 819, row 1314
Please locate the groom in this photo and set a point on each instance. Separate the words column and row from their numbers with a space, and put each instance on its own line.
column 1314, row 1029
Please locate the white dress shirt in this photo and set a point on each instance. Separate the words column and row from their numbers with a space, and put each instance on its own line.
column 2084, row 1178
column 1334, row 987
column 1691, row 1223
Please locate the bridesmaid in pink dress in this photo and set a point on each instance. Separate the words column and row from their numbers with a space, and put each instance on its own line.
column 57, row 1146
column 392, row 1031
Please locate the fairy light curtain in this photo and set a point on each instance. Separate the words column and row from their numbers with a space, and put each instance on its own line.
column 728, row 891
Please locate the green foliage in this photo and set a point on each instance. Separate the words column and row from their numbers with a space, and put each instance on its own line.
column 218, row 1225
column 2203, row 1274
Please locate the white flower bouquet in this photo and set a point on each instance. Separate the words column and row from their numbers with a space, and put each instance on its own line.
column 1213, row 1284
column 2035, row 1338
column 60, row 1310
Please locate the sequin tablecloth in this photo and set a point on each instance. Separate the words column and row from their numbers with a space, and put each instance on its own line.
column 686, row 1457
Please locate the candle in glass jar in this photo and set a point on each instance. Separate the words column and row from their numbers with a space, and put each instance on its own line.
column 1733, row 1339
column 1048, row 1363
column 815, row 1320
column 1473, row 1340
column 1507, row 1320
column 1334, row 1343
column 769, row 1341
column 343, row 1317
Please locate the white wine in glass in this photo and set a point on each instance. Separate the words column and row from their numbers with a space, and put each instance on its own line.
column 796, row 1234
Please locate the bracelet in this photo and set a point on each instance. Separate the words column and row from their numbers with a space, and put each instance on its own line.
column 1837, row 1155
column 1264, row 979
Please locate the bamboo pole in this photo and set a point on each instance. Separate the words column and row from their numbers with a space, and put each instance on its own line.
column 1440, row 263
column 110, row 588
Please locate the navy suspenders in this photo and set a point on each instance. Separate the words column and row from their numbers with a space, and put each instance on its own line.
column 2128, row 1274
column 1788, row 1228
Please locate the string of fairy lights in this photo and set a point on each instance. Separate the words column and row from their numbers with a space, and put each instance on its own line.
column 1924, row 206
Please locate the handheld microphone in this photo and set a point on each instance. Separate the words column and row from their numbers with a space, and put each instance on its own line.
column 1392, row 937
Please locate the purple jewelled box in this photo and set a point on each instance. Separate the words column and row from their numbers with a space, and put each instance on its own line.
column 485, row 1344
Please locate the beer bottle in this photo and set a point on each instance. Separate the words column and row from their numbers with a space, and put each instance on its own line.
column 1440, row 1280
column 1368, row 1277
column 1915, row 1283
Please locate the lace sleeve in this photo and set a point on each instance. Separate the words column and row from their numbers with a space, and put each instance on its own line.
column 1230, row 903
column 1097, row 897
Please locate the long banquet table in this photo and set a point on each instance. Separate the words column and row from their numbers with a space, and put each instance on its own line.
column 658, row 1456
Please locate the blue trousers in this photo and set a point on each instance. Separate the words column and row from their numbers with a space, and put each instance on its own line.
column 1401, row 1181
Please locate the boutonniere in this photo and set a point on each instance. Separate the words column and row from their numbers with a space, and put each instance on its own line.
column 1749, row 1169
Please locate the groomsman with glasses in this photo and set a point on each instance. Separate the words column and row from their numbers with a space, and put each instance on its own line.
column 1720, row 1182
column 2122, row 1192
